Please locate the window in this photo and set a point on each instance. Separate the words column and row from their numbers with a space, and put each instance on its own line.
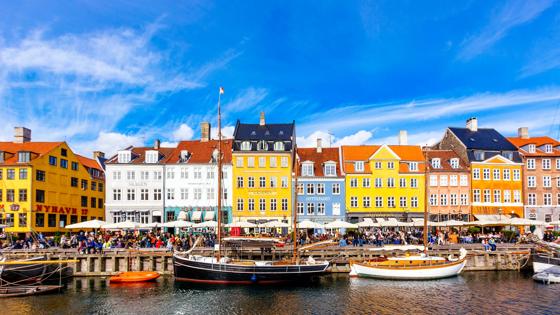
column 464, row 181
column 251, row 161
column 251, row 182
column 84, row 184
column 496, row 174
column 251, row 204
column 310, row 189
column 307, row 169
column 157, row 194
column 517, row 196
column 547, row 199
column 300, row 208
column 378, row 182
column 476, row 173
column 240, row 204
column 63, row 163
column 531, row 165
column 1, row 197
column 51, row 218
column 506, row 174
column 365, row 182
column 454, row 163
column 300, row 189
column 273, row 182
column 532, row 199
column 320, row 189
column 402, row 182
column 262, row 145
column 130, row 194
column 262, row 204
column 273, row 205
column 262, row 161
column 548, row 148
column 39, row 219
column 284, row 181
column 359, row 166
column 391, row 165
column 93, row 202
column 310, row 208
column 262, row 182
column 366, row 202
column 197, row 194
column 93, row 186
column 184, row 193
column 171, row 174
column 278, row 146
column 465, row 199
column 546, row 164
column 22, row 173
column 239, row 162
column 11, row 173
column 10, row 195
column 443, row 199
column 321, row 208
column 74, row 166
column 414, row 183
column 391, row 202
column 52, row 160
column 130, row 175
column 245, row 146
column 547, row 181
column 486, row 174
column 531, row 181
column 353, row 202
column 378, row 202
column 284, row 161
column 83, row 201
column 116, row 194
column 413, row 166
column 433, row 200
column 284, row 204
column 532, row 148
column 516, row 175
column 486, row 195
column 453, row 199
column 453, row 181
column 436, row 163
column 402, row 202
column 443, row 180
column 557, row 164
column 353, row 182
column 239, row 182
column 507, row 196
column 390, row 182
column 40, row 195
column 73, row 182
column 476, row 195
column 24, row 157
column 414, row 202
column 336, row 189
column 330, row 169
column 116, row 175
column 1, row 173
column 377, row 165
column 273, row 161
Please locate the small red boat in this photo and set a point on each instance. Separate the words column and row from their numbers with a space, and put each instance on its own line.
column 134, row 276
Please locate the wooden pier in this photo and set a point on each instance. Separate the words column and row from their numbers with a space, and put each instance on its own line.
column 507, row 257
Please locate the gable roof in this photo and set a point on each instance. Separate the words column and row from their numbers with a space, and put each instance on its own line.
column 269, row 132
column 39, row 148
column 200, row 152
column 351, row 153
column 319, row 159
column 483, row 139
column 89, row 163
column 138, row 155
column 445, row 157
column 537, row 141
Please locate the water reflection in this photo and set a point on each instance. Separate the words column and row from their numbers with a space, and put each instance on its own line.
column 471, row 293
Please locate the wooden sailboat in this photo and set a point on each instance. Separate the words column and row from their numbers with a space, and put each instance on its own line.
column 224, row 270
column 412, row 267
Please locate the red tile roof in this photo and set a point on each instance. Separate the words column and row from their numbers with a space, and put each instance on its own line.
column 445, row 157
column 319, row 159
column 89, row 163
column 38, row 148
column 200, row 152
column 407, row 153
column 537, row 141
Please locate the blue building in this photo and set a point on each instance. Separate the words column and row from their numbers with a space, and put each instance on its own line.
column 320, row 185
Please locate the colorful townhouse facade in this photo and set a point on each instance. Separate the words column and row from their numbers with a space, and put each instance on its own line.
column 384, row 181
column 45, row 186
column 496, row 168
column 320, row 184
column 448, row 186
column 541, row 175
column 191, row 180
column 262, row 168
column 135, row 184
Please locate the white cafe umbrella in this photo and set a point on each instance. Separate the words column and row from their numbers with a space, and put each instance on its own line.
column 306, row 224
column 241, row 224
column 206, row 224
column 275, row 224
column 368, row 222
column 91, row 224
column 177, row 224
column 453, row 223
column 557, row 223
column 524, row 222
column 124, row 225
column 151, row 225
column 339, row 224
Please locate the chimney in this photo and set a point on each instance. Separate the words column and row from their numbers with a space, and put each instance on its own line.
column 403, row 138
column 472, row 124
column 523, row 133
column 319, row 145
column 261, row 121
column 22, row 135
column 205, row 132
column 98, row 154
column 157, row 144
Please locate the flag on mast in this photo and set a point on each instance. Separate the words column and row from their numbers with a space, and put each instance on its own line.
column 221, row 90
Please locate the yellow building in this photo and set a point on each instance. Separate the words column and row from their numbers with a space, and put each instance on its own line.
column 262, row 161
column 384, row 181
column 45, row 186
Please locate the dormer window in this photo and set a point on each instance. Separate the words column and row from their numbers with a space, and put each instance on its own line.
column 436, row 163
column 24, row 157
column 508, row 155
column 279, row 146
column 454, row 163
column 359, row 166
column 152, row 157
column 479, row 155
column 262, row 145
column 245, row 146
column 307, row 169
column 532, row 148
column 124, row 157
column 548, row 148
column 184, row 156
column 330, row 169
column 215, row 155
column 413, row 166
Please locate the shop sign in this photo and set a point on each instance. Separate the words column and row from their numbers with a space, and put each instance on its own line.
column 61, row 210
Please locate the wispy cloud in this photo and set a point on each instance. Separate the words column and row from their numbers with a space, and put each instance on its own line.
column 511, row 14
column 245, row 100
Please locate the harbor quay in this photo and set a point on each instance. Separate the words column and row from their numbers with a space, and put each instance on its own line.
column 507, row 257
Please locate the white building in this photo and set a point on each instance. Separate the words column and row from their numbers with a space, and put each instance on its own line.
column 135, row 184
column 191, row 180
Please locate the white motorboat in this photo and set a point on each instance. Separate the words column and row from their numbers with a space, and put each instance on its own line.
column 547, row 277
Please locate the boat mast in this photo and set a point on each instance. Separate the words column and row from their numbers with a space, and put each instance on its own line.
column 425, row 234
column 219, row 176
column 294, row 208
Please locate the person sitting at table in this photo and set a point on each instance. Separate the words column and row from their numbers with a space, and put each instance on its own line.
column 492, row 243
column 486, row 246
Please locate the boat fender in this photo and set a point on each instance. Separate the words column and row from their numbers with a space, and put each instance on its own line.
column 254, row 278
column 463, row 253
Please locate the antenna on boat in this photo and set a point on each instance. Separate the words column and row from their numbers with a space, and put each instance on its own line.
column 294, row 209
column 425, row 234
column 219, row 175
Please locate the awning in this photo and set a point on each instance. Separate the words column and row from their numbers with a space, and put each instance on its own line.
column 209, row 216
column 196, row 216
column 182, row 216
column 156, row 213
column 491, row 217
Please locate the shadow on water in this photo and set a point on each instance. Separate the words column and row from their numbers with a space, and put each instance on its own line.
column 470, row 293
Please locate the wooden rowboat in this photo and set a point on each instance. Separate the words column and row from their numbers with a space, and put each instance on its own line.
column 134, row 276
column 16, row 291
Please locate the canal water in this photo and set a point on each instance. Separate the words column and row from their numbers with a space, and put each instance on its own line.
column 501, row 292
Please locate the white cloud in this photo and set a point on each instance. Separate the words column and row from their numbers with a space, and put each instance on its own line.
column 513, row 13
column 227, row 132
column 108, row 142
column 245, row 100
column 184, row 132
column 360, row 137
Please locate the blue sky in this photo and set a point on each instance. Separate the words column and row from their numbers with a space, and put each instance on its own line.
column 107, row 75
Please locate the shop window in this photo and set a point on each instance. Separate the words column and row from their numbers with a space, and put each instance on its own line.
column 51, row 220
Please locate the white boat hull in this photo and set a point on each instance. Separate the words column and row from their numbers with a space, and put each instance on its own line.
column 544, row 267
column 434, row 272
